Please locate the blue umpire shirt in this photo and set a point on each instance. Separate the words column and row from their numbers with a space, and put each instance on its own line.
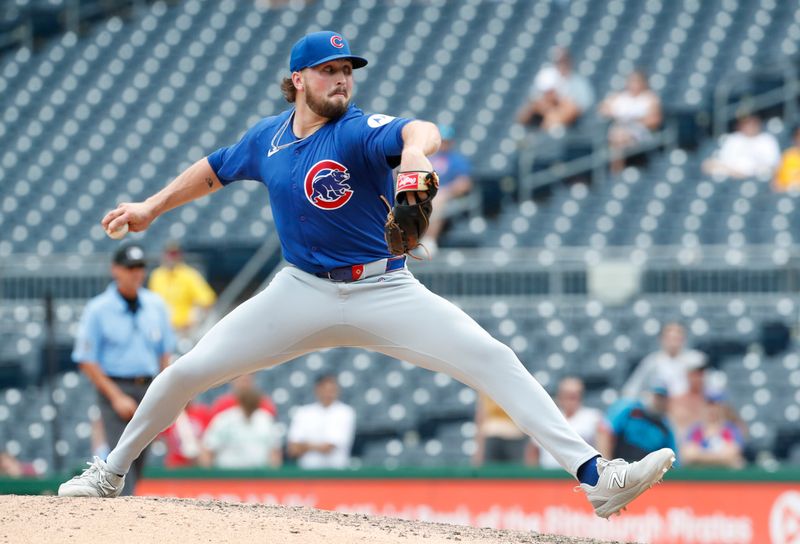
column 324, row 189
column 124, row 344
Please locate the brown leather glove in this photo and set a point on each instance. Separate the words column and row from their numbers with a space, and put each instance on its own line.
column 407, row 222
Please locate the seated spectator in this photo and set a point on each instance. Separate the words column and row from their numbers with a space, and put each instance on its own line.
column 716, row 440
column 586, row 421
column 184, row 438
column 186, row 292
column 10, row 466
column 788, row 176
column 454, row 181
column 321, row 434
column 497, row 437
column 559, row 96
column 668, row 366
column 635, row 114
column 228, row 400
column 634, row 428
column 244, row 436
column 687, row 409
column 748, row 152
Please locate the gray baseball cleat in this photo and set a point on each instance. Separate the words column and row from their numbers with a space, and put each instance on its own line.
column 620, row 482
column 96, row 481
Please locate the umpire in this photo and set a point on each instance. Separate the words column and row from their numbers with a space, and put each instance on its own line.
column 124, row 340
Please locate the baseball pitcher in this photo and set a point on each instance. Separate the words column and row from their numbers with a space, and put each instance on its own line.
column 346, row 225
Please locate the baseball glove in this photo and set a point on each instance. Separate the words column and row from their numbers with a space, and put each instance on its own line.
column 407, row 222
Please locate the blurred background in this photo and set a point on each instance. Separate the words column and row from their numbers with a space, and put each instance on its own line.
column 592, row 208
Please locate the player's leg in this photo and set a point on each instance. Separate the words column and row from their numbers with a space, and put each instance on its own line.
column 411, row 323
column 289, row 318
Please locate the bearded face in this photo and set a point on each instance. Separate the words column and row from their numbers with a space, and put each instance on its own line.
column 328, row 88
column 330, row 106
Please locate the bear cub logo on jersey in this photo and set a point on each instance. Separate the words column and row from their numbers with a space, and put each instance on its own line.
column 326, row 185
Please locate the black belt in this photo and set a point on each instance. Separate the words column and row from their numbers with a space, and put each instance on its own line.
column 136, row 380
column 360, row 271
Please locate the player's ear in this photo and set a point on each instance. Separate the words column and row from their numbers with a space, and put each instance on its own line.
column 297, row 80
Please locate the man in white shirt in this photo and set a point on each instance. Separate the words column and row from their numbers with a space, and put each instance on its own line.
column 243, row 436
column 586, row 421
column 669, row 366
column 321, row 434
column 746, row 153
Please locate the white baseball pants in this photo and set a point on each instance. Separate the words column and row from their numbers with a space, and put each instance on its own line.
column 392, row 313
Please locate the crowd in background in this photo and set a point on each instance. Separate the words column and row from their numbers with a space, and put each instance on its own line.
column 561, row 98
column 671, row 400
column 240, row 430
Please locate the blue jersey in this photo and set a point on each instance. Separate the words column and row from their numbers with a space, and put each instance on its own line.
column 450, row 165
column 324, row 189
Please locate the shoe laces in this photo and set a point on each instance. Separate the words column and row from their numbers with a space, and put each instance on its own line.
column 96, row 467
column 603, row 464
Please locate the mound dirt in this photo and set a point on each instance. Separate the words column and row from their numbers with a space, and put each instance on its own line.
column 137, row 520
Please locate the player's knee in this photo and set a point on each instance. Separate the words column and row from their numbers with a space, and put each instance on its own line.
column 496, row 354
column 184, row 374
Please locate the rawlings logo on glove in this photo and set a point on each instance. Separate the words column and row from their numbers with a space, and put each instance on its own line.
column 407, row 222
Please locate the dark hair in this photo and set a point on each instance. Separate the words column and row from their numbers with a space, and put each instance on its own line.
column 288, row 90
column 249, row 400
column 322, row 378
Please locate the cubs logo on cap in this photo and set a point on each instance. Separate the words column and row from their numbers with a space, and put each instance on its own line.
column 320, row 47
column 326, row 185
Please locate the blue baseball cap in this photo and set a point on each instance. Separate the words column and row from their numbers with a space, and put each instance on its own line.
column 447, row 132
column 658, row 387
column 660, row 390
column 320, row 47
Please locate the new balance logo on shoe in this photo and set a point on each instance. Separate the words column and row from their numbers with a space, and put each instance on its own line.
column 621, row 482
column 618, row 479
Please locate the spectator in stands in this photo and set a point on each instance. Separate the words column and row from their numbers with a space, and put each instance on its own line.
column 687, row 409
column 748, row 152
column 455, row 180
column 184, row 289
column 716, row 440
column 586, row 421
column 11, row 467
column 634, row 428
column 669, row 365
column 124, row 340
column 321, row 434
column 228, row 400
column 788, row 176
column 243, row 436
column 559, row 96
column 184, row 438
column 497, row 437
column 635, row 113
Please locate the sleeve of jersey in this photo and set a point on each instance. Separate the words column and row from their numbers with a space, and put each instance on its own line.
column 383, row 136
column 239, row 161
